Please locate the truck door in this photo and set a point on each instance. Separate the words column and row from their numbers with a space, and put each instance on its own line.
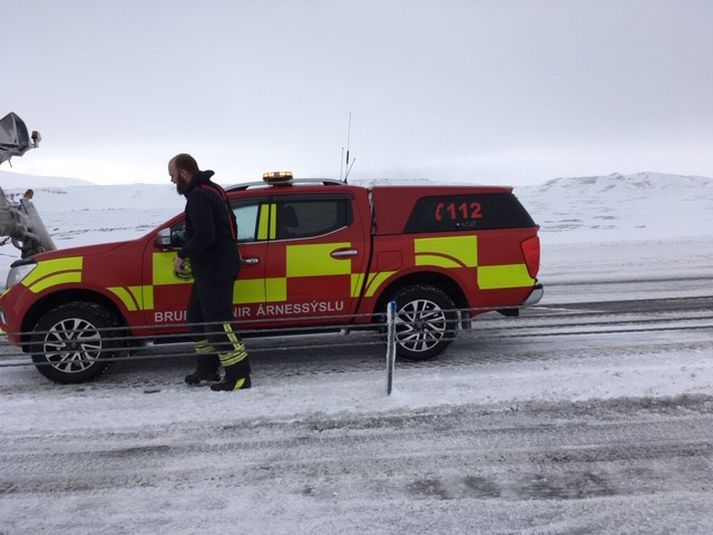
column 170, row 294
column 316, row 257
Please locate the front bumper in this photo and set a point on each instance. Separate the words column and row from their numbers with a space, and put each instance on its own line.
column 9, row 321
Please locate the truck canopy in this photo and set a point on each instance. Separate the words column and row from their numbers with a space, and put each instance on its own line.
column 417, row 209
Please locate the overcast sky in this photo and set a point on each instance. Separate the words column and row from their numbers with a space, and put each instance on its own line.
column 489, row 91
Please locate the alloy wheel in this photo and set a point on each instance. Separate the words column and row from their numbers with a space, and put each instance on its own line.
column 72, row 345
column 420, row 325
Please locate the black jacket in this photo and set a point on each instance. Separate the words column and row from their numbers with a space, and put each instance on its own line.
column 209, row 239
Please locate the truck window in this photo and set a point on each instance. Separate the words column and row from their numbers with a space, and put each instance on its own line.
column 246, row 214
column 246, row 217
column 447, row 213
column 178, row 234
column 312, row 216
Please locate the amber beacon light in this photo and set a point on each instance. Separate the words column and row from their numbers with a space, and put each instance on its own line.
column 277, row 177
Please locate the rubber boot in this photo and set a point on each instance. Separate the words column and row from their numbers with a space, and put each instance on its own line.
column 237, row 371
column 207, row 365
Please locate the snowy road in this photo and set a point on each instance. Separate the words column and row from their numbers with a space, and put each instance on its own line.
column 550, row 423
column 617, row 466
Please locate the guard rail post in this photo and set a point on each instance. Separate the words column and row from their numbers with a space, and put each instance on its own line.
column 390, row 344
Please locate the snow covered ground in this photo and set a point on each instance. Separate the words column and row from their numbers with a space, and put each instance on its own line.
column 507, row 432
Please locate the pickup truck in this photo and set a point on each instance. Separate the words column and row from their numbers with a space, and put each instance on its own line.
column 316, row 254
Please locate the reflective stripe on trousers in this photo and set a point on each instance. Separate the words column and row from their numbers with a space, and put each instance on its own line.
column 238, row 353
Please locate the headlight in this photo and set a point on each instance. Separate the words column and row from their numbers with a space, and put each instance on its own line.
column 19, row 271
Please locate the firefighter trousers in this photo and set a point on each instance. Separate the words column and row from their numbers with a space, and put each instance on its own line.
column 210, row 318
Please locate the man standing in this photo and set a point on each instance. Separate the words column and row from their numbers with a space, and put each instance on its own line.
column 211, row 248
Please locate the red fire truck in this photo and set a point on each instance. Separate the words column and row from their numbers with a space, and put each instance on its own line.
column 315, row 254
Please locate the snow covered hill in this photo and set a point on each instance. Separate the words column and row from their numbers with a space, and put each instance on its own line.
column 10, row 180
column 621, row 207
column 95, row 214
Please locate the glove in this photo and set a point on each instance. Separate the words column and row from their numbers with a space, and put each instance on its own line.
column 183, row 270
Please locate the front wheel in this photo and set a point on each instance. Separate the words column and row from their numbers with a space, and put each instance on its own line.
column 71, row 343
column 426, row 322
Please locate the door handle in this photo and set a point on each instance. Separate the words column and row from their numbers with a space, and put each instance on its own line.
column 342, row 253
column 250, row 261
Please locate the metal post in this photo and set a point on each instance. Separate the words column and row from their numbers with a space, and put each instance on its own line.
column 390, row 344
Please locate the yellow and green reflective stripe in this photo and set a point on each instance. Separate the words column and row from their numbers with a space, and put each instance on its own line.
column 447, row 252
column 315, row 260
column 67, row 277
column 375, row 280
column 50, row 273
column 436, row 260
column 143, row 295
column 504, row 276
column 48, row 267
column 125, row 297
column 273, row 221
column 228, row 329
column 203, row 346
column 134, row 297
column 239, row 383
column 264, row 228
column 356, row 284
column 262, row 224
column 239, row 352
column 248, row 291
column 230, row 359
column 276, row 289
column 137, row 292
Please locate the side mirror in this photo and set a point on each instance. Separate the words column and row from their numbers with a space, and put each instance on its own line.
column 163, row 239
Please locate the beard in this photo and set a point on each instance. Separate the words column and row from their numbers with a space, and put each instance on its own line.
column 181, row 187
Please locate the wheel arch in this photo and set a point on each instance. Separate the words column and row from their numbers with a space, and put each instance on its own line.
column 41, row 307
column 430, row 278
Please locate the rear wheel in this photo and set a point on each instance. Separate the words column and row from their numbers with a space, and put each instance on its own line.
column 73, row 342
column 426, row 322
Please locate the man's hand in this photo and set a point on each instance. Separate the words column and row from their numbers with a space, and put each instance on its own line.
column 178, row 264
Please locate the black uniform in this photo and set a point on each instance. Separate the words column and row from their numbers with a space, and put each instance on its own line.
column 215, row 263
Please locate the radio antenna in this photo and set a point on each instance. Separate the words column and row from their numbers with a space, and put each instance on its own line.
column 349, row 170
column 349, row 137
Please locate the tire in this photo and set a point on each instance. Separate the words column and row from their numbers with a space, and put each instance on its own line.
column 69, row 343
column 426, row 322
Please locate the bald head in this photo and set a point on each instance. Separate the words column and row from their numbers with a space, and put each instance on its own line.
column 185, row 162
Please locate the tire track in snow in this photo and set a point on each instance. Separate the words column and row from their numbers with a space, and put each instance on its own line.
column 514, row 451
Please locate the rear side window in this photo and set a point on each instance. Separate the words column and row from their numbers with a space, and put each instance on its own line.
column 446, row 213
column 312, row 215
